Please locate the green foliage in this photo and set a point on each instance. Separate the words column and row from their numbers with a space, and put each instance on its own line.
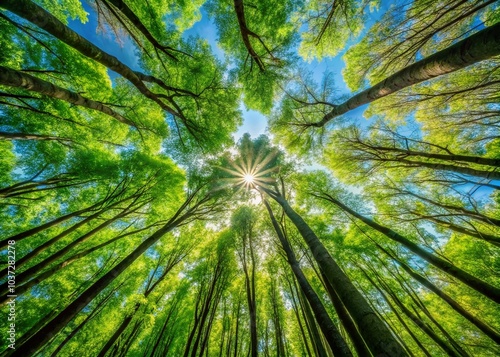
column 330, row 25
column 81, row 192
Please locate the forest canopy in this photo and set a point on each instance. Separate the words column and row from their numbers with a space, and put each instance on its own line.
column 137, row 220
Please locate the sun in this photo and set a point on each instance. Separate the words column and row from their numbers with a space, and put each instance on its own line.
column 249, row 178
column 249, row 171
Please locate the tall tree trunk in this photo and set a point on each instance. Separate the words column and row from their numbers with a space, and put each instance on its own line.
column 416, row 320
column 13, row 78
column 346, row 319
column 478, row 47
column 111, row 341
column 159, row 338
column 342, row 313
column 444, row 157
column 210, row 303
column 330, row 331
column 30, row 232
column 481, row 325
column 494, row 240
column 96, row 310
column 489, row 175
column 477, row 284
column 377, row 336
column 278, row 330
column 52, row 327
column 237, row 329
column 314, row 333
column 411, row 293
column 173, row 259
column 295, row 305
column 460, row 210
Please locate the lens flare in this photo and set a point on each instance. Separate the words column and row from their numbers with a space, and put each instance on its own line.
column 249, row 178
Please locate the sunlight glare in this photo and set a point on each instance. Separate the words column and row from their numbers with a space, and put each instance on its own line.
column 248, row 178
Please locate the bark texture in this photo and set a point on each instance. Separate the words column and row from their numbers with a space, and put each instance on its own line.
column 478, row 47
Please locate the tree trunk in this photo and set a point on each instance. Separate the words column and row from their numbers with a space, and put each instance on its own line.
column 30, row 232
column 330, row 331
column 377, row 336
column 297, row 316
column 416, row 319
column 477, row 284
column 345, row 319
column 489, row 175
column 421, row 305
column 52, row 327
column 478, row 47
column 111, row 341
column 319, row 348
column 97, row 309
column 445, row 157
column 488, row 331
column 13, row 78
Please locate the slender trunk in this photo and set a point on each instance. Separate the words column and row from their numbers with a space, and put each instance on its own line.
column 416, row 319
column 489, row 175
column 52, row 327
column 411, row 293
column 488, row 331
column 13, row 78
column 470, row 232
column 123, row 349
column 319, row 348
column 278, row 331
column 478, row 47
column 346, row 319
column 297, row 316
column 473, row 214
column 445, row 157
column 132, row 17
column 376, row 334
column 211, row 302
column 97, row 309
column 170, row 313
column 26, row 136
column 250, row 287
column 236, row 335
column 32, row 271
column 111, row 341
column 330, row 331
column 477, row 284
